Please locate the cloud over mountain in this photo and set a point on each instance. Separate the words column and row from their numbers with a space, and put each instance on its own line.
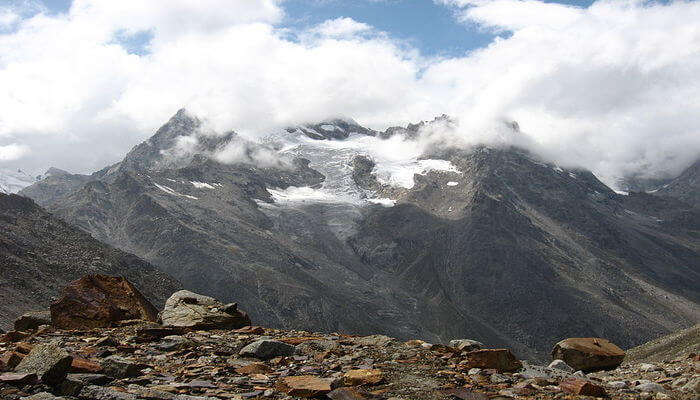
column 612, row 87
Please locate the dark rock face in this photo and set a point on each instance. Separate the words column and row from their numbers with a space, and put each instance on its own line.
column 518, row 254
column 40, row 254
column 686, row 187
column 98, row 301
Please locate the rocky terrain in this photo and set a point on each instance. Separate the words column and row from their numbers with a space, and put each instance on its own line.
column 205, row 350
column 315, row 228
column 40, row 254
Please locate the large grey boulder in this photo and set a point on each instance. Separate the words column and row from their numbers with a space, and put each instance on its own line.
column 120, row 367
column 191, row 310
column 588, row 354
column 266, row 349
column 48, row 361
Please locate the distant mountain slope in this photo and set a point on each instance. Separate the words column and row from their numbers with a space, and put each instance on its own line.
column 669, row 347
column 686, row 187
column 325, row 234
column 40, row 254
column 14, row 180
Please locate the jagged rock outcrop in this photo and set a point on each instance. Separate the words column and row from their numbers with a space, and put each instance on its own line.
column 98, row 301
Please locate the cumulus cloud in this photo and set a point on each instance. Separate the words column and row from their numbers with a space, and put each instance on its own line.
column 12, row 152
column 611, row 87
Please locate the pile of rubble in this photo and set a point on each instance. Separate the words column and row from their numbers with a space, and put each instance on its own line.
column 198, row 348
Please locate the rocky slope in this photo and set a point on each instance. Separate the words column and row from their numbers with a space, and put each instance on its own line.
column 686, row 187
column 318, row 229
column 14, row 180
column 40, row 253
column 141, row 360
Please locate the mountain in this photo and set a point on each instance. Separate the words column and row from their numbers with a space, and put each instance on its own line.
column 686, row 187
column 40, row 254
column 332, row 232
column 14, row 180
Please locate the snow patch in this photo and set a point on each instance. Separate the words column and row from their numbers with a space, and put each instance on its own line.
column 201, row 185
column 328, row 127
column 174, row 193
column 383, row 202
column 558, row 169
column 452, row 183
column 305, row 194
column 571, row 174
column 401, row 174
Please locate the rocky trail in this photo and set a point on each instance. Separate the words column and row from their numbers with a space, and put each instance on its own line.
column 186, row 355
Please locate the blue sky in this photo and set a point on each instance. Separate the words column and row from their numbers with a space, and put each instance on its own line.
column 427, row 26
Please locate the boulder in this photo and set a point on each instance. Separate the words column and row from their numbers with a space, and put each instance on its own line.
column 33, row 320
column 561, row 365
column 499, row 359
column 98, row 301
column 588, row 354
column 304, row 386
column 191, row 310
column 466, row 344
column 266, row 349
column 48, row 361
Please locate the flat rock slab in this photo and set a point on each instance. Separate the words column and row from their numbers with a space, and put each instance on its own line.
column 266, row 349
column 18, row 379
column 304, row 386
column 356, row 377
column 48, row 361
column 588, row 354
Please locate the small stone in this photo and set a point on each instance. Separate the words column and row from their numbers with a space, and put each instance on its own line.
column 266, row 349
column 357, row 377
column 42, row 396
column 174, row 342
column 560, row 365
column 374, row 340
column 48, row 361
column 646, row 367
column 254, row 368
column 81, row 365
column 617, row 384
column 313, row 347
column 304, row 386
column 106, row 341
column 348, row 393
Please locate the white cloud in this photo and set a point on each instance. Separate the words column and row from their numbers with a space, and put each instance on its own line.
column 341, row 27
column 12, row 152
column 612, row 87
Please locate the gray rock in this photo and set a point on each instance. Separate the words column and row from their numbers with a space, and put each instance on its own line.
column 191, row 310
column 42, row 396
column 120, row 367
column 466, row 344
column 315, row 346
column 374, row 340
column 174, row 342
column 48, row 361
column 101, row 393
column 266, row 349
column 617, row 384
column 32, row 320
column 650, row 387
column 560, row 365
column 74, row 383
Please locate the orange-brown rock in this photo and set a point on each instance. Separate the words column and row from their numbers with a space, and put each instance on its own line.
column 98, row 301
column 81, row 365
column 582, row 387
column 500, row 359
column 251, row 330
column 254, row 368
column 304, row 386
column 14, row 336
column 356, row 377
column 588, row 354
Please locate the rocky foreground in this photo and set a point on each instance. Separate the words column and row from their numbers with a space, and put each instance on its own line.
column 185, row 355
